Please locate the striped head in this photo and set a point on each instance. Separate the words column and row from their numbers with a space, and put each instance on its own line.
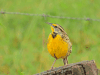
column 55, row 28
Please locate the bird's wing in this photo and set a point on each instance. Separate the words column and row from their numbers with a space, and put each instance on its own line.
column 67, row 40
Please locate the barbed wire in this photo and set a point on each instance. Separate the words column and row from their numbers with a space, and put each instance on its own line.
column 44, row 15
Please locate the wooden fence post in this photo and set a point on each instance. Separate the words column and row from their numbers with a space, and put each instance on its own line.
column 80, row 68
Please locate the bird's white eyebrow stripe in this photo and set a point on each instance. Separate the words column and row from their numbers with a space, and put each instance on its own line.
column 61, row 27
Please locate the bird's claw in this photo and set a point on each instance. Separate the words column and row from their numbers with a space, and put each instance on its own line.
column 52, row 68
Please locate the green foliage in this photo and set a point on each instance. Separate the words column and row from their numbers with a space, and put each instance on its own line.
column 23, row 38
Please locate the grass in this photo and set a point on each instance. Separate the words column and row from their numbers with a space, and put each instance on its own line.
column 23, row 39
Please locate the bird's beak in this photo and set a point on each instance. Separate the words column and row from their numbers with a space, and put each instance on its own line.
column 50, row 24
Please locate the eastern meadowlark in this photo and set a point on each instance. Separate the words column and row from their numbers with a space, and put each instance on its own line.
column 59, row 45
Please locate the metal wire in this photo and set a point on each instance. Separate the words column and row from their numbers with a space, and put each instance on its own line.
column 44, row 15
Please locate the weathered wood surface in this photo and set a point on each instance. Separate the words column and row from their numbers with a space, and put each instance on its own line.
column 80, row 68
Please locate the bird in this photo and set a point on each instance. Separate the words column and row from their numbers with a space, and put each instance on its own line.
column 59, row 45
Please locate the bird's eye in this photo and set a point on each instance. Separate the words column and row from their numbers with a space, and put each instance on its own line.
column 55, row 26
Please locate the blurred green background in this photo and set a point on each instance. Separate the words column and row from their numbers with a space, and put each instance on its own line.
column 23, row 38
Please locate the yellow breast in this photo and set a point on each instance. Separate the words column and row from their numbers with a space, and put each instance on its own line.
column 57, row 47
